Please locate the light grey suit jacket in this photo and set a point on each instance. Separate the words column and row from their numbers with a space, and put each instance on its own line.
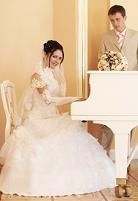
column 129, row 48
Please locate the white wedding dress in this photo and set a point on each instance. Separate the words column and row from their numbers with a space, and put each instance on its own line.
column 49, row 154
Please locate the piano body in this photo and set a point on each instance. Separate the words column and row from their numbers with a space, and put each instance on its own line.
column 113, row 101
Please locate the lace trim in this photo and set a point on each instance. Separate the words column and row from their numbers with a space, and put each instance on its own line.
column 47, row 97
column 35, row 83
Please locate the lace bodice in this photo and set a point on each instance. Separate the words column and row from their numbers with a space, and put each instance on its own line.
column 44, row 105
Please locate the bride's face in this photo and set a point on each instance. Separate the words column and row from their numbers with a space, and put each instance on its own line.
column 55, row 59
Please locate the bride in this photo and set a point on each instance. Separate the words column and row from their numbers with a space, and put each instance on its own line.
column 49, row 154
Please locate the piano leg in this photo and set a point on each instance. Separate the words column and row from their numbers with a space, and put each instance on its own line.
column 121, row 153
column 121, row 130
column 123, row 191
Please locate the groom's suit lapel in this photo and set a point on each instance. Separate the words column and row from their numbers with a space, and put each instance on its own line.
column 126, row 40
column 114, row 40
column 124, row 45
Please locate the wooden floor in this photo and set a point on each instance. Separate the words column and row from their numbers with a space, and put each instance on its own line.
column 104, row 195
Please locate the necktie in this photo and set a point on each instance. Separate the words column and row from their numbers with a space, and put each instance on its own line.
column 120, row 39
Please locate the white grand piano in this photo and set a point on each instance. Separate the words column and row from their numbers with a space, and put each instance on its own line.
column 113, row 101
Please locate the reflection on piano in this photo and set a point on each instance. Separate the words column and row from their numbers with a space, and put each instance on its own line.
column 113, row 101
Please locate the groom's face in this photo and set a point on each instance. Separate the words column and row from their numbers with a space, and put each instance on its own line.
column 118, row 21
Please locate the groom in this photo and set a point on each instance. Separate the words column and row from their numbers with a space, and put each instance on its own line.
column 124, row 40
column 120, row 38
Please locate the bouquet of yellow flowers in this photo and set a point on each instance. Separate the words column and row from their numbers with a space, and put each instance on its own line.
column 112, row 61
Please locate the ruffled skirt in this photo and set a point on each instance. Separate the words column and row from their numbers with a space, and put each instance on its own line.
column 54, row 156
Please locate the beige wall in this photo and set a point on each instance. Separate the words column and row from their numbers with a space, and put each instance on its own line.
column 131, row 9
column 24, row 26
column 97, row 25
column 65, row 31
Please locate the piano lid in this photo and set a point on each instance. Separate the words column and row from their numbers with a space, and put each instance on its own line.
column 112, row 93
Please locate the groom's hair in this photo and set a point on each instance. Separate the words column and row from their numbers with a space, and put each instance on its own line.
column 117, row 9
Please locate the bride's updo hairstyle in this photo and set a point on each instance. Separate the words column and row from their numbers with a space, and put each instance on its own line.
column 51, row 46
